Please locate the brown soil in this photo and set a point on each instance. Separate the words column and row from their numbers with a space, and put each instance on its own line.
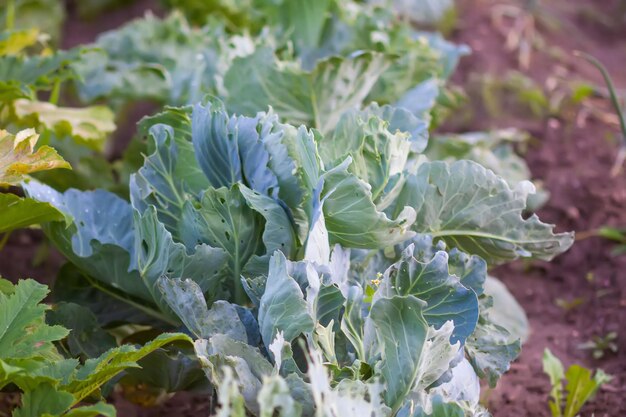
column 573, row 157
column 572, row 154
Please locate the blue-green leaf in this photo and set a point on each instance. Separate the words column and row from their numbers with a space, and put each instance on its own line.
column 476, row 211
column 282, row 306
column 352, row 218
column 402, row 332
column 185, row 298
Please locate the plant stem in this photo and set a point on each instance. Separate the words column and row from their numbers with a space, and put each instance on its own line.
column 10, row 17
column 56, row 91
column 139, row 306
column 4, row 239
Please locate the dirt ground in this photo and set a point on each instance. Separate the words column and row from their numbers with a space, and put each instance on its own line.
column 572, row 154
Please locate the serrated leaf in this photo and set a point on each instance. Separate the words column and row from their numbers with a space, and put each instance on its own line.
column 30, row 373
column 471, row 208
column 19, row 158
column 91, row 376
column 23, row 332
column 44, row 400
column 95, row 410
column 172, row 369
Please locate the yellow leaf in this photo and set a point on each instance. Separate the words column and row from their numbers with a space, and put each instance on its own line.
column 16, row 41
column 90, row 125
column 18, row 156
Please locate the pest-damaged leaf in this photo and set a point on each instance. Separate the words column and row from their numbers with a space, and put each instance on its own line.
column 122, row 248
column 378, row 156
column 471, row 208
column 316, row 98
column 242, row 360
column 506, row 311
column 446, row 297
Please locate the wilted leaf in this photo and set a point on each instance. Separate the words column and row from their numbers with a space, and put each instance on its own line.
column 88, row 125
column 18, row 156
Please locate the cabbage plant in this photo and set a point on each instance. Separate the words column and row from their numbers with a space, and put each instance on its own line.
column 240, row 213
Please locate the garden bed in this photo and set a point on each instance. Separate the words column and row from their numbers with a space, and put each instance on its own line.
column 570, row 152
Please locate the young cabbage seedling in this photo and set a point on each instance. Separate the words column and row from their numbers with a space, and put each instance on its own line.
column 600, row 345
column 580, row 386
